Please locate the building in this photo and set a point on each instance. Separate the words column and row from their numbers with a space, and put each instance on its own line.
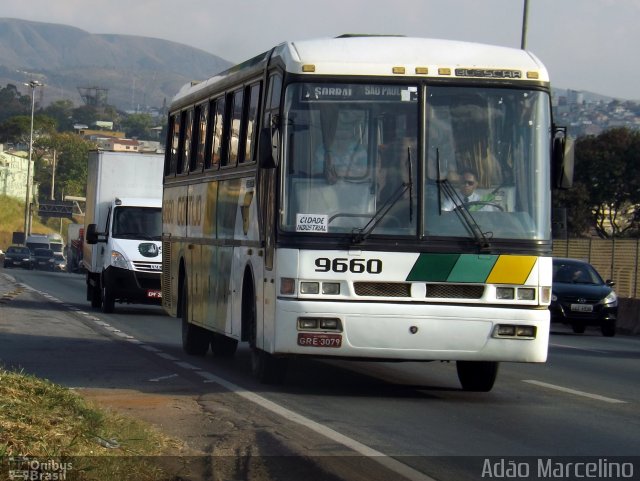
column 13, row 174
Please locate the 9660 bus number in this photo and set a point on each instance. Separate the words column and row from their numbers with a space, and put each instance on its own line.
column 356, row 266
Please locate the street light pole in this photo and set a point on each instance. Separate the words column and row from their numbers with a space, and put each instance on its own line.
column 27, row 203
column 525, row 15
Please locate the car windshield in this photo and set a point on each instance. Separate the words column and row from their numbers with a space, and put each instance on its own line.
column 18, row 250
column 573, row 273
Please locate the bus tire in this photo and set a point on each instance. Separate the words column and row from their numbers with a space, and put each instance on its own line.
column 267, row 368
column 478, row 376
column 195, row 339
column 223, row 346
column 108, row 299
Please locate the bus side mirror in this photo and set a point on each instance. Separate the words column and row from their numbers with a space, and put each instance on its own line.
column 562, row 159
column 268, row 144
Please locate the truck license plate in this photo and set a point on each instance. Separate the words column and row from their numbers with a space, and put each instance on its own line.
column 318, row 339
column 154, row 294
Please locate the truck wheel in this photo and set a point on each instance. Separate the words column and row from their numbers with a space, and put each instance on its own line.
column 108, row 300
column 195, row 339
column 93, row 295
column 477, row 376
column 223, row 346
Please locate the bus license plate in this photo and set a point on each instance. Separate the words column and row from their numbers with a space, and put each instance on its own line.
column 154, row 294
column 317, row 339
column 582, row 307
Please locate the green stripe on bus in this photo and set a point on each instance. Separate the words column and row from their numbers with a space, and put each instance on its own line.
column 472, row 268
column 452, row 268
column 433, row 267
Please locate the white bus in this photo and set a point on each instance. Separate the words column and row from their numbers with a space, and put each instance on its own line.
column 311, row 205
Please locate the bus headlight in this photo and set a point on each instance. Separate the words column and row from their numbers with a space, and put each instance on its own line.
column 505, row 293
column 331, row 288
column 309, row 288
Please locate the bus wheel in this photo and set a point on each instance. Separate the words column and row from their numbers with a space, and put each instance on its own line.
column 223, row 346
column 266, row 368
column 108, row 300
column 195, row 340
column 477, row 376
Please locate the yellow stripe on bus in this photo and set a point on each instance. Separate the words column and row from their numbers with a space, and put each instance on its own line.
column 511, row 269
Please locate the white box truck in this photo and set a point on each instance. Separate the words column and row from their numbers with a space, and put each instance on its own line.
column 123, row 228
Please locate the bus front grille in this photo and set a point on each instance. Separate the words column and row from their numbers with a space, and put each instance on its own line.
column 403, row 289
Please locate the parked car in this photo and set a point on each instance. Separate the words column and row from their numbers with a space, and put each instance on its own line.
column 43, row 259
column 59, row 262
column 580, row 297
column 18, row 256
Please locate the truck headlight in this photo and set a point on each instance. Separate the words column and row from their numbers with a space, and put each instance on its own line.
column 119, row 260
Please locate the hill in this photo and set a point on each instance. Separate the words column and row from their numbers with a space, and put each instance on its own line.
column 137, row 71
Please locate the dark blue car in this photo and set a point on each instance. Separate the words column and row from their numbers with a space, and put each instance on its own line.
column 580, row 297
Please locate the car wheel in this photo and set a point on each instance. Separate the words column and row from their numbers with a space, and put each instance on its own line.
column 608, row 328
column 578, row 328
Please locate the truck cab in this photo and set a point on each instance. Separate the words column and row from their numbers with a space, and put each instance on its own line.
column 125, row 261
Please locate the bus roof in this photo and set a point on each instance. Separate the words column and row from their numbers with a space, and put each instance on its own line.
column 390, row 56
column 378, row 55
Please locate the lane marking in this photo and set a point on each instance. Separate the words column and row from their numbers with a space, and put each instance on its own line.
column 565, row 346
column 597, row 397
column 162, row 378
column 377, row 456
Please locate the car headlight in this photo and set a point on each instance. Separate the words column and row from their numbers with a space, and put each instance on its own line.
column 611, row 300
column 118, row 260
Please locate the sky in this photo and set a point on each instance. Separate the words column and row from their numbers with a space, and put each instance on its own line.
column 586, row 45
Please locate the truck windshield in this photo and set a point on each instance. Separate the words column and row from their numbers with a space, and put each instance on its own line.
column 357, row 152
column 137, row 223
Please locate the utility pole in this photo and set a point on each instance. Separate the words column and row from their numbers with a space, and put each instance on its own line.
column 27, row 203
column 523, row 42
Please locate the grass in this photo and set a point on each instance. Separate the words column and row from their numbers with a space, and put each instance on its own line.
column 12, row 220
column 43, row 421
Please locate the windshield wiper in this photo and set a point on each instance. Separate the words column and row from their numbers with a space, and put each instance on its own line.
column 465, row 216
column 360, row 235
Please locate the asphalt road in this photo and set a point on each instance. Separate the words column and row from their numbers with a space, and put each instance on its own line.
column 412, row 419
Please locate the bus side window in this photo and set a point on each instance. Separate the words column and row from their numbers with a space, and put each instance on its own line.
column 235, row 125
column 251, row 123
column 217, row 123
column 174, row 144
column 187, row 148
column 200, row 137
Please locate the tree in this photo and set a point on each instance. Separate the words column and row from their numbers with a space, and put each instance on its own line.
column 18, row 129
column 13, row 103
column 138, row 126
column 608, row 166
column 71, row 152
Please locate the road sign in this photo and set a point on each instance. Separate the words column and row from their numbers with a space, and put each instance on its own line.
column 56, row 208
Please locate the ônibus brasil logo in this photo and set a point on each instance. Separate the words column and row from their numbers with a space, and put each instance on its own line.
column 148, row 249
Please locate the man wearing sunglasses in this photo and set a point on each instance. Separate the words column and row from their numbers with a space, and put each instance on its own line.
column 467, row 194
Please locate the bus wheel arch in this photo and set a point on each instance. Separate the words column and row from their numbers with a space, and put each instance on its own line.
column 266, row 367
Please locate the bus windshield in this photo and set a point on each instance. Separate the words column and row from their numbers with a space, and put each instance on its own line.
column 411, row 160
